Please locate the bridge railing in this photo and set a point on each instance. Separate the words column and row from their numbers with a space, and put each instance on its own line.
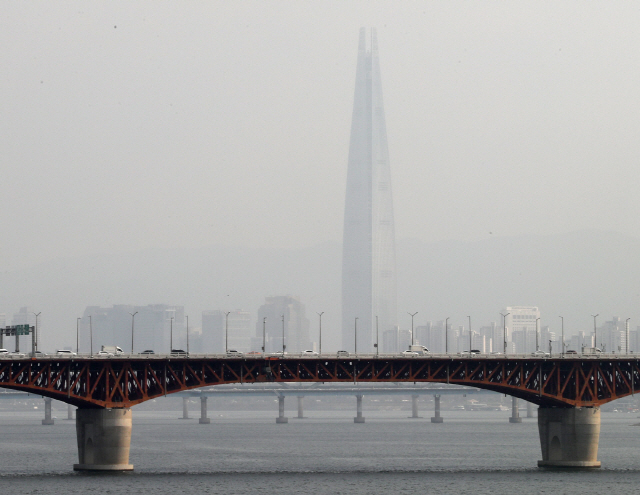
column 332, row 355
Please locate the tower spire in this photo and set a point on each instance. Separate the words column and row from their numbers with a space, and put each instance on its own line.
column 368, row 259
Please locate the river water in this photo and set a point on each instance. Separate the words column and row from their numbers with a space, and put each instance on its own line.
column 246, row 452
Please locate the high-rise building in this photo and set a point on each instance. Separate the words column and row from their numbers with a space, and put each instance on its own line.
column 157, row 327
column 221, row 331
column 521, row 327
column 368, row 249
column 283, row 321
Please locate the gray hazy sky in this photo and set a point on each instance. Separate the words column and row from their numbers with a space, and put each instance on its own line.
column 128, row 125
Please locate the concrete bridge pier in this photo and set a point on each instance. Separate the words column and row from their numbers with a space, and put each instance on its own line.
column 203, row 411
column 569, row 436
column 529, row 410
column 104, row 439
column 185, row 408
column 301, row 407
column 414, row 407
column 48, row 420
column 515, row 414
column 359, row 417
column 281, row 417
column 69, row 412
column 437, row 418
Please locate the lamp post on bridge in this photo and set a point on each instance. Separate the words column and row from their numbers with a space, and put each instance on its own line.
column 78, row 335
column 187, row 317
column 504, row 331
column 283, row 346
column 562, row 343
column 595, row 335
column 412, row 315
column 377, row 344
column 446, row 335
column 133, row 316
column 537, row 332
column 226, row 331
column 90, row 336
column 320, row 333
column 36, row 334
column 355, row 336
column 264, row 334
column 470, row 343
column 171, row 336
column 626, row 337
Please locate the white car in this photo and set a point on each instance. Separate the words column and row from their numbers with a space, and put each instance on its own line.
column 409, row 353
column 309, row 353
column 16, row 354
column 540, row 354
column 65, row 353
column 343, row 354
column 104, row 354
column 233, row 353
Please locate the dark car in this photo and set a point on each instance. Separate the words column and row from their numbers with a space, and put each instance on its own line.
column 178, row 352
column 148, row 351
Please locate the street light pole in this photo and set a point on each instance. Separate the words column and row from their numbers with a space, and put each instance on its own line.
column 562, row 343
column 91, row 336
column 355, row 336
column 78, row 335
column 446, row 335
column 187, row 316
column 171, row 336
column 537, row 345
column 412, row 315
column 595, row 335
column 320, row 333
column 377, row 340
column 504, row 331
column 283, row 346
column 264, row 333
column 133, row 315
column 226, row 331
column 470, row 344
column 36, row 334
column 626, row 337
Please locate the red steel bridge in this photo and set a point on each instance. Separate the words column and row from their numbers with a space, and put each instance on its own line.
column 124, row 381
column 569, row 390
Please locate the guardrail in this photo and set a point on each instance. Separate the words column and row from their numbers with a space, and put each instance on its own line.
column 333, row 355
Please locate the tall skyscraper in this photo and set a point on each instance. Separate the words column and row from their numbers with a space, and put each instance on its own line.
column 369, row 291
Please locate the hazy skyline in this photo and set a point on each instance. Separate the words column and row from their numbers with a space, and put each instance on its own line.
column 132, row 126
column 220, row 129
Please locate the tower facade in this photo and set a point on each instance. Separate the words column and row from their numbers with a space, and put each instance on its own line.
column 369, row 289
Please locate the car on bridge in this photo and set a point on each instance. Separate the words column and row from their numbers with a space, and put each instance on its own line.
column 309, row 353
column 178, row 353
column 541, row 354
column 343, row 354
column 65, row 353
column 233, row 353
column 146, row 352
column 104, row 354
column 409, row 354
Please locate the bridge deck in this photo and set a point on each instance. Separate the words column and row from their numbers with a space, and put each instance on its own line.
column 126, row 380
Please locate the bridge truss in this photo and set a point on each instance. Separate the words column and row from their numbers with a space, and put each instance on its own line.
column 124, row 382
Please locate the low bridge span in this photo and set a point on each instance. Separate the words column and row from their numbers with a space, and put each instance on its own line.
column 123, row 382
column 568, row 390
